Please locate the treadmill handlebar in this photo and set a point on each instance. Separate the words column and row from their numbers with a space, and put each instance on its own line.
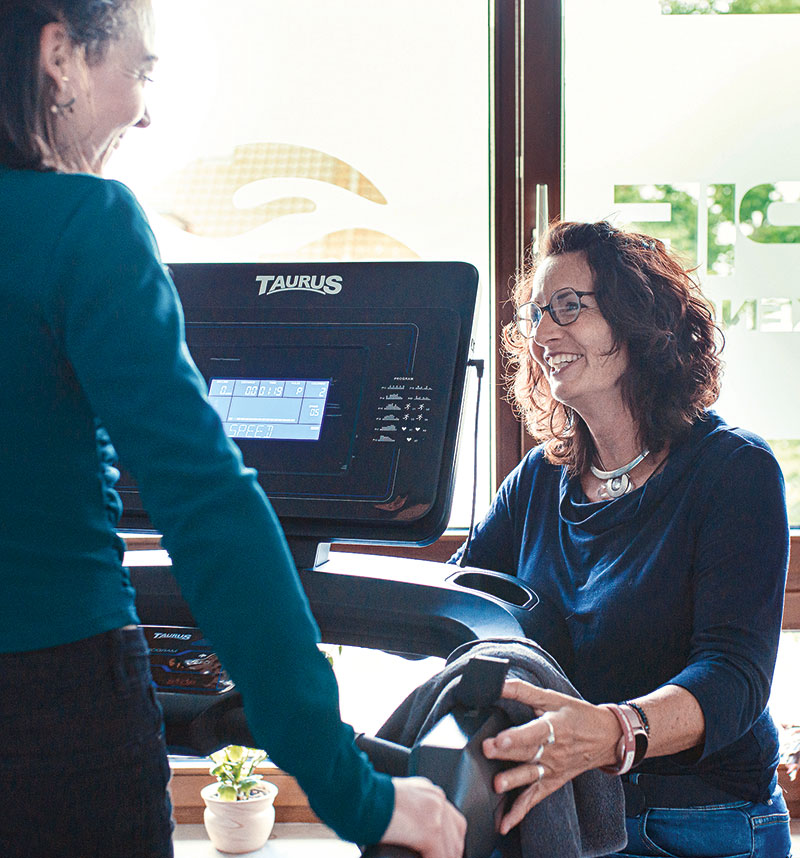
column 387, row 757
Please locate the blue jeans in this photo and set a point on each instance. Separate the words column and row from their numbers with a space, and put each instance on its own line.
column 740, row 829
column 83, row 767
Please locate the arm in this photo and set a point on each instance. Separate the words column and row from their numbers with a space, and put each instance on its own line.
column 740, row 560
column 583, row 737
column 122, row 331
column 676, row 720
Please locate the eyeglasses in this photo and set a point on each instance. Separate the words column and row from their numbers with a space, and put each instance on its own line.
column 564, row 308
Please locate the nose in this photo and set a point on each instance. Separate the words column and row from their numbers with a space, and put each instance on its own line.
column 144, row 121
column 546, row 330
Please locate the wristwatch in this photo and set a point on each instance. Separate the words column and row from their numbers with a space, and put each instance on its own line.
column 640, row 732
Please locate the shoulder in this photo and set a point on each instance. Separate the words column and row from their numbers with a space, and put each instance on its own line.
column 713, row 437
column 726, row 459
column 106, row 195
column 71, row 187
column 532, row 470
column 106, row 219
column 533, row 464
column 53, row 203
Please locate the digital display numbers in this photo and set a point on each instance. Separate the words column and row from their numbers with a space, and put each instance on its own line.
column 270, row 408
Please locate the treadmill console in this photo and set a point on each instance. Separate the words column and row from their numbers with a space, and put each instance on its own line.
column 341, row 383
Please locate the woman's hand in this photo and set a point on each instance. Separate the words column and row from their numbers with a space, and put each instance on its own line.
column 568, row 737
column 424, row 820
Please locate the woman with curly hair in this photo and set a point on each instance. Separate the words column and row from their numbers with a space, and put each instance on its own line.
column 656, row 538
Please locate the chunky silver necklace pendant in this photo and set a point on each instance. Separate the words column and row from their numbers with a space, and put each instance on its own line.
column 618, row 486
column 615, row 484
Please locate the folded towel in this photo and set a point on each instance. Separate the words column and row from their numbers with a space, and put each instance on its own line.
column 583, row 819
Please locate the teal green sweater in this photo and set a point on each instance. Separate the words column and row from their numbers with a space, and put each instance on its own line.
column 93, row 354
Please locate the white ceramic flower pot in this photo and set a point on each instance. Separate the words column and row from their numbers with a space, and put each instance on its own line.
column 239, row 826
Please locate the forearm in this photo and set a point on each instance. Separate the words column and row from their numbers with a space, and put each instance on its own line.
column 675, row 719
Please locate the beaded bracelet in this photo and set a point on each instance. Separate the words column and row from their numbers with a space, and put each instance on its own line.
column 626, row 750
column 638, row 708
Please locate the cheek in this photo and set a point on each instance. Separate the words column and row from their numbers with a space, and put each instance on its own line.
column 537, row 353
column 134, row 109
column 619, row 360
column 124, row 106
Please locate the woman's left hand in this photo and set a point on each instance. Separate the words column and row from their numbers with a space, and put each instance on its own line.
column 568, row 737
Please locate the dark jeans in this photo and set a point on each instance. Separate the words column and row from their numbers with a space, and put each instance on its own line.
column 83, row 767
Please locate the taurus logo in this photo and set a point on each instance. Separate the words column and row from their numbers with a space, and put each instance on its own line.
column 330, row 285
column 172, row 635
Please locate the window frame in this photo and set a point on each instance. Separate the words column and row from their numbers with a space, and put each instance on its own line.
column 527, row 147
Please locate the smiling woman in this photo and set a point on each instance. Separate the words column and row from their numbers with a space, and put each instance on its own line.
column 578, row 359
column 90, row 90
column 660, row 590
column 93, row 338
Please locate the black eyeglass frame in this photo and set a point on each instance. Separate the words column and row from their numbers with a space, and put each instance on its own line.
column 534, row 323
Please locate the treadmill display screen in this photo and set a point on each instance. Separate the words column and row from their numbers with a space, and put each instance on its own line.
column 277, row 408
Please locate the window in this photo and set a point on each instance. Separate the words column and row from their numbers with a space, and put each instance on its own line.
column 679, row 120
column 344, row 130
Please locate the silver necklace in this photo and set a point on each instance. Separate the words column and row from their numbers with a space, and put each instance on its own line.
column 617, row 483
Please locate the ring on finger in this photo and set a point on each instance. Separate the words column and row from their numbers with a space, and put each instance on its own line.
column 539, row 772
column 538, row 755
column 552, row 734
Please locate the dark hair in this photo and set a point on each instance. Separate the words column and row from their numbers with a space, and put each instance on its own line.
column 26, row 93
column 656, row 310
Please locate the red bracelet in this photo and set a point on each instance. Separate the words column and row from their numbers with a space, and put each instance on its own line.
column 626, row 750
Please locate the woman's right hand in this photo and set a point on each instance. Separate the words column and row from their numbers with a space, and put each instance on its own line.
column 424, row 820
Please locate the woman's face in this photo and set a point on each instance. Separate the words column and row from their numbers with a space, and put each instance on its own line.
column 577, row 359
column 109, row 95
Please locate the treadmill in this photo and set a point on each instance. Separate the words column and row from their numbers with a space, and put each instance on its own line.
column 343, row 386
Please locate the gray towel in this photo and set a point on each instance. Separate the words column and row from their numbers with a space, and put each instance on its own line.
column 583, row 819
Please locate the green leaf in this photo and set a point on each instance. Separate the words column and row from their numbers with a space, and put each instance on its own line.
column 258, row 755
column 246, row 785
column 236, row 753
column 226, row 792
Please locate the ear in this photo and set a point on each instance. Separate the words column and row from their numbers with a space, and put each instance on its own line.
column 55, row 53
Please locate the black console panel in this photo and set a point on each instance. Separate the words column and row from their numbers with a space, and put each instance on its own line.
column 341, row 383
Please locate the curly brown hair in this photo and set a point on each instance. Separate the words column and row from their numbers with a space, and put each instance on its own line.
column 656, row 310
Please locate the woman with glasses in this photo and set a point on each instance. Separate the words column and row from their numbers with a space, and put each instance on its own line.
column 656, row 538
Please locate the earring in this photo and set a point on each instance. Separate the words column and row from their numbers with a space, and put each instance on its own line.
column 61, row 109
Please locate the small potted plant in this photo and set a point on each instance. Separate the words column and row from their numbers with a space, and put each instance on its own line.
column 239, row 812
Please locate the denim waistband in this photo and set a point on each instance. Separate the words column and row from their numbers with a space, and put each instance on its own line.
column 644, row 790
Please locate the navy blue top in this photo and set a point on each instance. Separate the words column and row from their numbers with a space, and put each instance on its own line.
column 679, row 582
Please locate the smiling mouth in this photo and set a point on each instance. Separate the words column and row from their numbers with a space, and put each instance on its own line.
column 559, row 362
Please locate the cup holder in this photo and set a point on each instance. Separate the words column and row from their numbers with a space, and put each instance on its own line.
column 504, row 587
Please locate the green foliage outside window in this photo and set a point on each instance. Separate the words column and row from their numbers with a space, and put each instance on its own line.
column 680, row 230
column 729, row 7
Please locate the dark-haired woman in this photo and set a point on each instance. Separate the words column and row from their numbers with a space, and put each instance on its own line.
column 92, row 353
column 656, row 538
